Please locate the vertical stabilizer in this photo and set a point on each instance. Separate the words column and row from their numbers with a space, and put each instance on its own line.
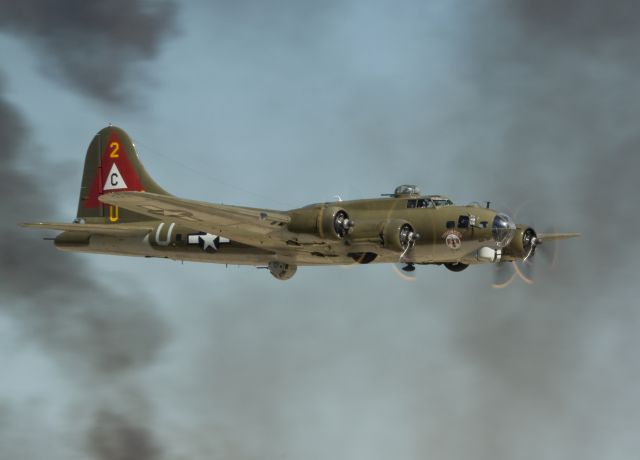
column 112, row 165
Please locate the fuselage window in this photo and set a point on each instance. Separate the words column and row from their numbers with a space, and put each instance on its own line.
column 484, row 224
column 451, row 224
column 463, row 222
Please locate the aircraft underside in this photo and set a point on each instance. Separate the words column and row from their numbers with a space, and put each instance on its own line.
column 233, row 253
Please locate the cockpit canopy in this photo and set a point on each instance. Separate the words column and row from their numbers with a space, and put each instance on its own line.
column 406, row 190
column 426, row 201
column 439, row 200
column 417, row 200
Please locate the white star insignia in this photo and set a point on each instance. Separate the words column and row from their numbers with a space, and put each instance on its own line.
column 209, row 241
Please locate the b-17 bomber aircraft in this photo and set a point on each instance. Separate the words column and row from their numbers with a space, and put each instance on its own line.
column 123, row 211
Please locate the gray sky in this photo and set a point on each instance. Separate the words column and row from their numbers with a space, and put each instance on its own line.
column 529, row 104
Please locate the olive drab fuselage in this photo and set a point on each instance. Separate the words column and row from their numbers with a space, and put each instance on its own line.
column 446, row 233
column 377, row 222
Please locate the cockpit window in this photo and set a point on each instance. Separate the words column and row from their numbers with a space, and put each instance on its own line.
column 420, row 203
column 442, row 202
column 463, row 222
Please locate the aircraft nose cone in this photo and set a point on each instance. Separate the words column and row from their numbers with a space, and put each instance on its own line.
column 503, row 229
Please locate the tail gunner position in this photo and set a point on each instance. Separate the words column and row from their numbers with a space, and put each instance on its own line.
column 123, row 211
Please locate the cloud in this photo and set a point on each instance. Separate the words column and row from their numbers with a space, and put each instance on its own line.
column 95, row 336
column 62, row 307
column 559, row 83
column 528, row 115
column 114, row 437
column 92, row 46
column 528, row 106
column 577, row 23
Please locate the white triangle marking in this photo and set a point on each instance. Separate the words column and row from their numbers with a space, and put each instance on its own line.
column 114, row 181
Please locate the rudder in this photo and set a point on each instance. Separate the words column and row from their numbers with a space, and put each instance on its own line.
column 112, row 165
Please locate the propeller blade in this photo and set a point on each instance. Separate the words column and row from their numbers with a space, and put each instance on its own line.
column 504, row 275
column 524, row 270
column 549, row 247
column 557, row 236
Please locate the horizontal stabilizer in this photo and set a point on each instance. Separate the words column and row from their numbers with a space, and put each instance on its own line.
column 98, row 229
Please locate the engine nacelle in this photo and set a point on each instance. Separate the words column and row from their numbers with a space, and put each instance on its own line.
column 331, row 222
column 282, row 271
column 397, row 235
column 520, row 245
column 334, row 223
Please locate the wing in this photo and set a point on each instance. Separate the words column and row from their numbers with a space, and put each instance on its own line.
column 99, row 229
column 246, row 225
column 556, row 236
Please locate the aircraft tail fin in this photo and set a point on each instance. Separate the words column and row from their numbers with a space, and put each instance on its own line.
column 112, row 165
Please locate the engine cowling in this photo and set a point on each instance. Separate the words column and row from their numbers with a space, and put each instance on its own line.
column 334, row 223
column 282, row 271
column 397, row 235
column 521, row 244
column 330, row 222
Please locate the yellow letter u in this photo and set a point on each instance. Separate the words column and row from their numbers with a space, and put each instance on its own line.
column 113, row 214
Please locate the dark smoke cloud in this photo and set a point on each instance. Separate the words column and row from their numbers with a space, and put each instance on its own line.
column 532, row 371
column 559, row 80
column 95, row 335
column 61, row 306
column 562, row 77
column 443, row 367
column 577, row 23
column 114, row 437
column 92, row 46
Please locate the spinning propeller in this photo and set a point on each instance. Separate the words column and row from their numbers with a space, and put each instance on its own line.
column 543, row 244
column 531, row 243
